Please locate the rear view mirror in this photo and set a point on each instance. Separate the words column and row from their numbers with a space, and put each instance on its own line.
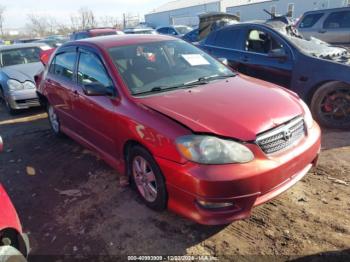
column 97, row 89
column 1, row 145
column 278, row 53
column 223, row 61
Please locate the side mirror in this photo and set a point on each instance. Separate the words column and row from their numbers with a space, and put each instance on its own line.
column 223, row 60
column 278, row 54
column 96, row 89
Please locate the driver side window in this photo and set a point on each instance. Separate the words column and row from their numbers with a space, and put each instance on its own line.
column 262, row 42
column 92, row 71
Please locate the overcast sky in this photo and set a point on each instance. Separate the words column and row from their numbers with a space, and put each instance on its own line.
column 17, row 10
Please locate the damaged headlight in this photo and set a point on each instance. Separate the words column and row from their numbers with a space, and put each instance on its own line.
column 213, row 150
column 14, row 85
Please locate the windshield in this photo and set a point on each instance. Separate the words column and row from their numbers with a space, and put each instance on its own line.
column 19, row 56
column 158, row 66
column 183, row 29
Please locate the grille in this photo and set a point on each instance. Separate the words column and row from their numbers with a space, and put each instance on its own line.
column 282, row 137
column 28, row 102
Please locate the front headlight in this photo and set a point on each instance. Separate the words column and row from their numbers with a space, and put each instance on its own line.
column 28, row 85
column 309, row 121
column 14, row 85
column 213, row 150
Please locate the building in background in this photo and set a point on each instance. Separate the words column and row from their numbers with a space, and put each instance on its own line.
column 185, row 12
column 247, row 10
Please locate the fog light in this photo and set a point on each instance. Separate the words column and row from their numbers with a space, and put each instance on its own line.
column 214, row 205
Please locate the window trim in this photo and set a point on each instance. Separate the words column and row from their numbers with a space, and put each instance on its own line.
column 70, row 49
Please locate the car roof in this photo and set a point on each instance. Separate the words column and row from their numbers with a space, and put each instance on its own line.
column 120, row 40
column 23, row 45
column 328, row 10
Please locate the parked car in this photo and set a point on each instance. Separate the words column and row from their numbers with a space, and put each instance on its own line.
column 192, row 36
column 331, row 25
column 14, row 244
column 176, row 30
column 143, row 31
column 94, row 32
column 25, row 41
column 18, row 66
column 191, row 134
column 317, row 72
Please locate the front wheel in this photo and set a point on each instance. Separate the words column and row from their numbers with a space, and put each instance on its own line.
column 330, row 105
column 147, row 178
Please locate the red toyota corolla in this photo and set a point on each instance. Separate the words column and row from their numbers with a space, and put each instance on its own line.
column 192, row 135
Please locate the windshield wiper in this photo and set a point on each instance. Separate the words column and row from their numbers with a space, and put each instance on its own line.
column 200, row 81
column 207, row 79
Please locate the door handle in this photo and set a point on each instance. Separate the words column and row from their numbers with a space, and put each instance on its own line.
column 76, row 93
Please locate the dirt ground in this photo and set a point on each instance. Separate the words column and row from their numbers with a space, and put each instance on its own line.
column 70, row 202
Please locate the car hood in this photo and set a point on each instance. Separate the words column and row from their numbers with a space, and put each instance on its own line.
column 23, row 72
column 240, row 108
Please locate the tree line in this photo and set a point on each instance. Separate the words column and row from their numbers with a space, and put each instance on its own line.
column 84, row 18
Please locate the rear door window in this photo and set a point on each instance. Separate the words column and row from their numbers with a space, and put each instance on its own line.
column 338, row 20
column 63, row 65
column 227, row 38
column 310, row 20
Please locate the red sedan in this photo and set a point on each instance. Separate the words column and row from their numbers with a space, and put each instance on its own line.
column 191, row 135
column 14, row 245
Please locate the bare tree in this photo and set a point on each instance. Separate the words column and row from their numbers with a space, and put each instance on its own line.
column 2, row 13
column 110, row 21
column 83, row 20
column 41, row 25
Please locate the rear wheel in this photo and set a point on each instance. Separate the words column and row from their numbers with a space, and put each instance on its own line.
column 147, row 178
column 54, row 120
column 330, row 105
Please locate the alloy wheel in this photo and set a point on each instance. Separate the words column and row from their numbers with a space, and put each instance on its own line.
column 145, row 179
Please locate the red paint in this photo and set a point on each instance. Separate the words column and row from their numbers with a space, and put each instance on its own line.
column 8, row 215
column 239, row 108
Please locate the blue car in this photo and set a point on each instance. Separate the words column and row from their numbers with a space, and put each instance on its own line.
column 275, row 52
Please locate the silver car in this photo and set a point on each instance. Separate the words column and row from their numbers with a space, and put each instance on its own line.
column 330, row 25
column 19, row 64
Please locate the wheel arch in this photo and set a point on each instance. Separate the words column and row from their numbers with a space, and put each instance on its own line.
column 313, row 90
column 17, row 240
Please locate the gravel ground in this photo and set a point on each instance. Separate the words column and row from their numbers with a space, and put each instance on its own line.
column 71, row 203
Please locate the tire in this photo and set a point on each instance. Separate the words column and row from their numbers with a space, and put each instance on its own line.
column 330, row 105
column 10, row 254
column 54, row 120
column 4, row 100
column 153, row 194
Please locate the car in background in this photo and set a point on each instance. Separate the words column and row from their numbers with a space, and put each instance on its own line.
column 145, row 104
column 192, row 36
column 176, row 30
column 143, row 31
column 330, row 25
column 19, row 64
column 275, row 52
column 14, row 244
column 94, row 32
column 52, row 42
column 24, row 41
